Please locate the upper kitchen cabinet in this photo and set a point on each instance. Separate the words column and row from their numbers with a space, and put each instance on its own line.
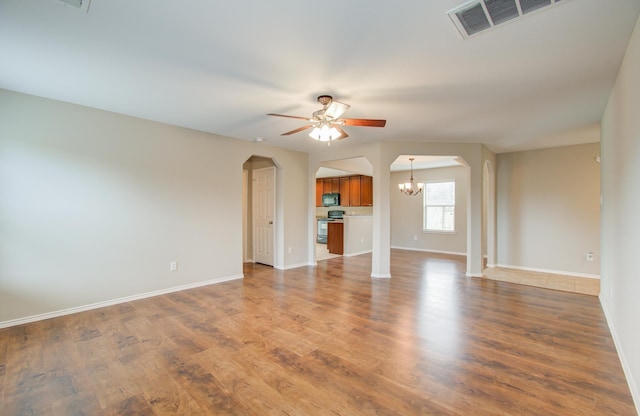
column 331, row 185
column 355, row 191
column 326, row 186
column 344, row 191
column 366, row 191
column 319, row 192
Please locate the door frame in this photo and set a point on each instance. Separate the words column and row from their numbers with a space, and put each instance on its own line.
column 489, row 218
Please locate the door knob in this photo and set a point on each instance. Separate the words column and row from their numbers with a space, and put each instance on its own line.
column 270, row 222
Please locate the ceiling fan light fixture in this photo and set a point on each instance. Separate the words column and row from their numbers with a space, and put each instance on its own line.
column 326, row 123
column 324, row 133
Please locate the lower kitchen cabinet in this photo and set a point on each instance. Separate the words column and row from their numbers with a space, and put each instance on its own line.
column 335, row 237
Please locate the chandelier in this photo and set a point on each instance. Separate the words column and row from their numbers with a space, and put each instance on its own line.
column 408, row 188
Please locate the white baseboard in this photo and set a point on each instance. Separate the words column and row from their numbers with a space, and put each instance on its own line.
column 97, row 305
column 626, row 368
column 473, row 274
column 292, row 266
column 357, row 254
column 562, row 272
column 430, row 251
column 381, row 275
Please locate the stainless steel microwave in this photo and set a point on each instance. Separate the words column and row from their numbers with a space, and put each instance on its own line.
column 331, row 200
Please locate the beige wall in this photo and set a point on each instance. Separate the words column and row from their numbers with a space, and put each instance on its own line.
column 548, row 206
column 358, row 234
column 406, row 213
column 94, row 205
column 620, row 286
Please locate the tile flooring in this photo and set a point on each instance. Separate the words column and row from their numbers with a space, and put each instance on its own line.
column 565, row 283
column 322, row 253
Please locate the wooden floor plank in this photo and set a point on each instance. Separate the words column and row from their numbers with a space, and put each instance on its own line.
column 325, row 340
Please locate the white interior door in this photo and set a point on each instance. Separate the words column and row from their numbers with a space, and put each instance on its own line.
column 264, row 207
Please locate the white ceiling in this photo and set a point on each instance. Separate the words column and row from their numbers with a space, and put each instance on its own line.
column 220, row 67
column 423, row 162
column 361, row 166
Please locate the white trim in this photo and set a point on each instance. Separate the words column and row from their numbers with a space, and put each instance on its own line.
column 449, row 232
column 533, row 269
column 626, row 368
column 245, row 215
column 292, row 266
column 84, row 308
column 425, row 206
column 357, row 254
column 473, row 274
column 381, row 275
column 429, row 250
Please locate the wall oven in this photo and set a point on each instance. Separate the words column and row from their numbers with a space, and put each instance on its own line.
column 323, row 224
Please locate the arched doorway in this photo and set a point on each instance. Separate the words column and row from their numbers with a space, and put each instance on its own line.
column 352, row 180
column 410, row 229
column 259, row 210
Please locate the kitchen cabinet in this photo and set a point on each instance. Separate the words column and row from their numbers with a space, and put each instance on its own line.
column 344, row 191
column 335, row 237
column 355, row 190
column 331, row 185
column 319, row 191
column 366, row 191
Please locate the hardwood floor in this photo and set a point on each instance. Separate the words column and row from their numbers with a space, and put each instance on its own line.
column 327, row 340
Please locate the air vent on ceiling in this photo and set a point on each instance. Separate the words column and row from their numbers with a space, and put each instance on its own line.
column 478, row 15
column 77, row 4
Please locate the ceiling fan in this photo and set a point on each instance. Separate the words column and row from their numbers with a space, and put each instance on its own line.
column 326, row 122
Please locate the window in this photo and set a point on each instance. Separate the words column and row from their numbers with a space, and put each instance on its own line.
column 439, row 206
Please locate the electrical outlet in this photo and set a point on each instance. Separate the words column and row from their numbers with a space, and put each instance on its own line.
column 590, row 256
column 415, row 238
column 290, row 250
column 173, row 266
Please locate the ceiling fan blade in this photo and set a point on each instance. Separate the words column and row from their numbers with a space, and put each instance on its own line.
column 363, row 122
column 343, row 134
column 284, row 115
column 335, row 109
column 297, row 130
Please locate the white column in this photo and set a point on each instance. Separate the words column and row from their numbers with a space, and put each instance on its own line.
column 381, row 250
